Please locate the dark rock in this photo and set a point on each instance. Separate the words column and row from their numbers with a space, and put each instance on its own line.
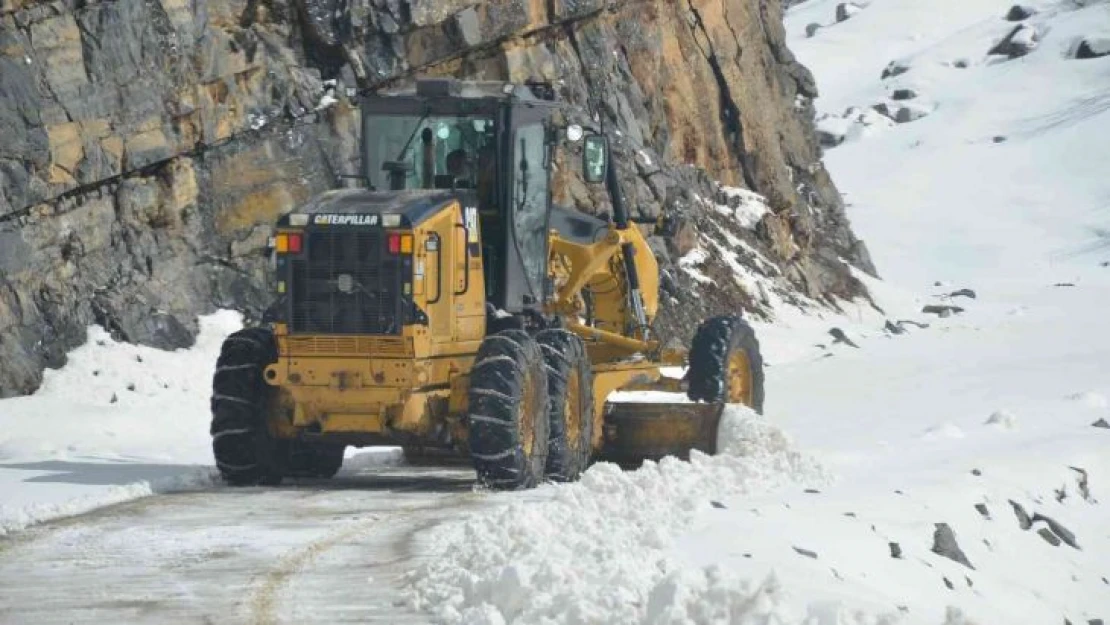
column 1019, row 12
column 998, row 139
column 907, row 114
column 114, row 399
column 970, row 584
column 949, row 584
column 829, row 139
column 886, row 110
column 812, row 28
column 942, row 310
column 895, row 550
column 717, row 504
column 944, row 544
column 1064, row 284
column 903, row 94
column 1021, row 40
column 982, row 509
column 894, row 328
column 850, row 514
column 1048, row 536
column 1101, row 423
column 131, row 387
column 812, row 491
column 839, row 337
column 805, row 552
column 1024, row 520
column 976, row 472
column 1058, row 529
column 963, row 293
column 917, row 324
column 845, row 10
column 894, row 68
column 1083, row 483
column 1095, row 621
column 961, row 63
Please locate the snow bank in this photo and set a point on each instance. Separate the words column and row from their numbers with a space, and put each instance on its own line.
column 14, row 518
column 117, row 422
column 594, row 551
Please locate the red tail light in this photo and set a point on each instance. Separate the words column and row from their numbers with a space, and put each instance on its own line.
column 294, row 244
column 395, row 243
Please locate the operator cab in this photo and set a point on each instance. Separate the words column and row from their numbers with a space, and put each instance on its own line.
column 489, row 144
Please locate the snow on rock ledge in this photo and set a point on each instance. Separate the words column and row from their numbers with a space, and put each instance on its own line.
column 595, row 551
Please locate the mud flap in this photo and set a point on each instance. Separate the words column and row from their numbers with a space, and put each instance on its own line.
column 635, row 432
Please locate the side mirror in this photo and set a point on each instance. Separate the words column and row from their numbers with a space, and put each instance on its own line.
column 595, row 158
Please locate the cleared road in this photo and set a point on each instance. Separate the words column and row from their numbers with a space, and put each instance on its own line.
column 312, row 552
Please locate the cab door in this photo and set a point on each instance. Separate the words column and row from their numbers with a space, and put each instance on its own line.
column 529, row 170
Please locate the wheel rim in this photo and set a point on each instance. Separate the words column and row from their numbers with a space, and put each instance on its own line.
column 572, row 412
column 739, row 378
column 527, row 425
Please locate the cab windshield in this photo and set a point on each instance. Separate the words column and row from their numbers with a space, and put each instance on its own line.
column 428, row 152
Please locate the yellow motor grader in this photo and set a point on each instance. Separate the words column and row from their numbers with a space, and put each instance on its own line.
column 450, row 304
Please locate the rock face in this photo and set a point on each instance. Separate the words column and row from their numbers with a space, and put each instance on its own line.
column 149, row 144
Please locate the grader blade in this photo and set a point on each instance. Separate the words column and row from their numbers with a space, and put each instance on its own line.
column 635, row 432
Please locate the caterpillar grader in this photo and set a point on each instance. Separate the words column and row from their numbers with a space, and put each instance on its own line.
column 448, row 303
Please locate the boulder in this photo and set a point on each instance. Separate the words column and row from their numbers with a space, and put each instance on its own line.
column 910, row 113
column 944, row 544
column 1093, row 48
column 845, row 10
column 894, row 68
column 1021, row 40
column 1020, row 12
column 903, row 94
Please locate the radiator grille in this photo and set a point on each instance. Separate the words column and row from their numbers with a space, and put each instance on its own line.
column 345, row 283
column 383, row 347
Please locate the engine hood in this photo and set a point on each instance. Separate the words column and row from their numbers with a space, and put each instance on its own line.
column 360, row 207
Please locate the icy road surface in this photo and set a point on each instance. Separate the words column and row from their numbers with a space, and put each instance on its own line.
column 312, row 552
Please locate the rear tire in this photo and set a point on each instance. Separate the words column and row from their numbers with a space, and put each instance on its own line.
column 246, row 452
column 507, row 412
column 726, row 364
column 320, row 460
column 570, row 404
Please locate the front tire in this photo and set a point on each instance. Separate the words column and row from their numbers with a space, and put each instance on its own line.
column 726, row 364
column 570, row 404
column 507, row 412
column 246, row 452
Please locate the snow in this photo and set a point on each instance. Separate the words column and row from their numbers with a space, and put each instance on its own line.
column 326, row 101
column 117, row 422
column 955, row 421
column 601, row 546
column 824, row 511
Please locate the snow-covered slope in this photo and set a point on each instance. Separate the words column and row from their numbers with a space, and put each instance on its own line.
column 1005, row 179
column 963, row 455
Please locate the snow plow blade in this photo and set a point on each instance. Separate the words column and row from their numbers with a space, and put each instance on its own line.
column 635, row 432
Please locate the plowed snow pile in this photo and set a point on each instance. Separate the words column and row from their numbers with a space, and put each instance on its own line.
column 597, row 551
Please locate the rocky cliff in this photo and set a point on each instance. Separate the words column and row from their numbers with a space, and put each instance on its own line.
column 146, row 145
